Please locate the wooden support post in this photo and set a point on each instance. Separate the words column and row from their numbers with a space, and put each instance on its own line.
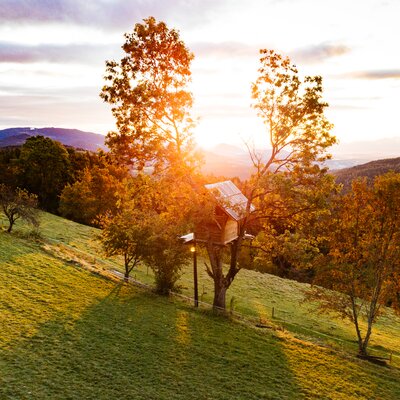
column 196, row 290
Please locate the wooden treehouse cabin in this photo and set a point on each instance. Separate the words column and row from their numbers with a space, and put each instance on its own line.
column 229, row 209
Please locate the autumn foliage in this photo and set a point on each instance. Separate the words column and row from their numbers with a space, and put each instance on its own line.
column 363, row 264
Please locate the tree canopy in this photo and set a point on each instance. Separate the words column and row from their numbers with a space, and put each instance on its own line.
column 96, row 193
column 148, row 91
column 18, row 203
column 44, row 169
column 363, row 264
column 293, row 113
column 290, row 182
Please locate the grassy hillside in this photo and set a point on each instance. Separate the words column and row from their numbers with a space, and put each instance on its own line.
column 69, row 333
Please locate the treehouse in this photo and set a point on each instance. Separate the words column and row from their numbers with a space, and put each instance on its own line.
column 229, row 209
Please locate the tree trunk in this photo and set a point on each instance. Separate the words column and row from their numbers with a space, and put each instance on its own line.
column 219, row 296
column 10, row 226
column 126, row 265
column 361, row 349
column 126, row 276
column 216, row 273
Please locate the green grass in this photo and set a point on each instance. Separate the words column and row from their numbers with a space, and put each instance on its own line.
column 69, row 333
column 254, row 294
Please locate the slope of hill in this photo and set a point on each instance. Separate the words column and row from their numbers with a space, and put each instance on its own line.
column 368, row 170
column 70, row 137
column 69, row 332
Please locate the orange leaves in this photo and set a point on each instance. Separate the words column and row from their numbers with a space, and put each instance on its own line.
column 150, row 98
column 363, row 264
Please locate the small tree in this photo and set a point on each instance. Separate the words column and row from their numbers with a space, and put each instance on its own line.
column 127, row 234
column 18, row 204
column 363, row 264
column 167, row 254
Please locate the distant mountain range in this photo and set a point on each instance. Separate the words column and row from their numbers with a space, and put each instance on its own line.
column 236, row 161
column 69, row 137
column 226, row 159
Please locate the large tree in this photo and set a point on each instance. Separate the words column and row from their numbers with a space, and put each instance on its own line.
column 298, row 135
column 44, row 169
column 363, row 264
column 148, row 91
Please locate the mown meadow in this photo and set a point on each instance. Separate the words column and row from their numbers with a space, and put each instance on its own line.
column 71, row 330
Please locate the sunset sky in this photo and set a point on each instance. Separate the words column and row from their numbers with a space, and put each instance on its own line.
column 52, row 55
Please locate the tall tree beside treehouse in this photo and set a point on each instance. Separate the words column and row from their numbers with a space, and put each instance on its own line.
column 298, row 134
column 291, row 219
column 363, row 264
column 148, row 91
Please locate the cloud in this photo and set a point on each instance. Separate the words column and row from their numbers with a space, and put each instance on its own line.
column 373, row 74
column 347, row 107
column 28, row 111
column 224, row 111
column 82, row 54
column 74, row 93
column 224, row 49
column 106, row 14
column 318, row 53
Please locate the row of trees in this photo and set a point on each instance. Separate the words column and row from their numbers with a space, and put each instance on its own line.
column 44, row 167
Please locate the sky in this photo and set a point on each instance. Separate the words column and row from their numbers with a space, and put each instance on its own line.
column 53, row 52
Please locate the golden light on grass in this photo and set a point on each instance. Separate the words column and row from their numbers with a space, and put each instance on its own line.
column 182, row 328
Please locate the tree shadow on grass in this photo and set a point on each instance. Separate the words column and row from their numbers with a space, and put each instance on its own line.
column 139, row 346
column 135, row 345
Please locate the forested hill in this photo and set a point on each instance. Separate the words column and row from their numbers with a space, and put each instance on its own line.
column 369, row 170
column 69, row 137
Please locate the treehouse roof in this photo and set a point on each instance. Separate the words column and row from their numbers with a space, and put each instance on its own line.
column 230, row 199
